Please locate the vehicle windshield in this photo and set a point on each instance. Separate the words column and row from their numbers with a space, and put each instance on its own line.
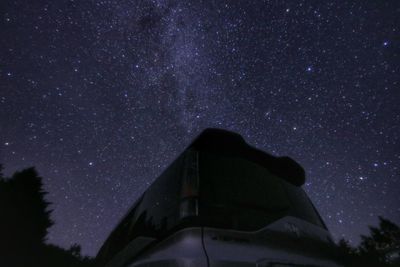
column 238, row 194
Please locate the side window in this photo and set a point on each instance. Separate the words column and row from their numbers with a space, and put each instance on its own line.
column 119, row 238
column 302, row 206
column 155, row 212
column 159, row 209
column 115, row 243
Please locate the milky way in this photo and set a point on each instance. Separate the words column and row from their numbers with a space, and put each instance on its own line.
column 100, row 96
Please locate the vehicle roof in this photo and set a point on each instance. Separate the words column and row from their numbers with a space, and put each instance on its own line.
column 223, row 142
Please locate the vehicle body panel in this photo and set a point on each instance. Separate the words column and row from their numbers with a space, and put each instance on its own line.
column 183, row 249
column 279, row 243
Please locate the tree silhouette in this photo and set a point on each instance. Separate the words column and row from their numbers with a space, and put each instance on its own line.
column 349, row 253
column 25, row 216
column 382, row 240
column 381, row 248
column 24, row 224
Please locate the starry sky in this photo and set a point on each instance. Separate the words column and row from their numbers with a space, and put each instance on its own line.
column 100, row 96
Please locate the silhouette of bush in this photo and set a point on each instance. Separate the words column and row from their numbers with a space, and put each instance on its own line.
column 56, row 256
column 24, row 224
column 379, row 249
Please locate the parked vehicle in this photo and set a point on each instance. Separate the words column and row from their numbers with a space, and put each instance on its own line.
column 222, row 203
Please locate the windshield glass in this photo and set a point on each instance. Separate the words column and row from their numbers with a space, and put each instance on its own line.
column 239, row 194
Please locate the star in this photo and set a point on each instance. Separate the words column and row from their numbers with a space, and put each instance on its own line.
column 102, row 97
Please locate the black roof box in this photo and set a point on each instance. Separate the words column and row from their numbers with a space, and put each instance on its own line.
column 232, row 144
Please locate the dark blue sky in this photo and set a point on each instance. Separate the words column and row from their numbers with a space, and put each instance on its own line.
column 101, row 96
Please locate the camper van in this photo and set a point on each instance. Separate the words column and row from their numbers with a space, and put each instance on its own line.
column 222, row 203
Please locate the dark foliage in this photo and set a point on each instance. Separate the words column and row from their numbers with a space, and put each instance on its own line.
column 380, row 249
column 24, row 224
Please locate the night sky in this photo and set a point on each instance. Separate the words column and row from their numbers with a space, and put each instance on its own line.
column 100, row 96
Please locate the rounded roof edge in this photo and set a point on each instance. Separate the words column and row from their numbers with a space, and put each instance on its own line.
column 229, row 143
